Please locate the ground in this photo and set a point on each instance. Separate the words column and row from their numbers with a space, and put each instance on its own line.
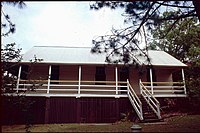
column 180, row 123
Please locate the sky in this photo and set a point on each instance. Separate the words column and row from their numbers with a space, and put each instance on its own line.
column 60, row 24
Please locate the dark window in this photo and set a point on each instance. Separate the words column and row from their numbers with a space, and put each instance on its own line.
column 100, row 75
column 124, row 74
column 54, row 74
column 177, row 76
column 24, row 72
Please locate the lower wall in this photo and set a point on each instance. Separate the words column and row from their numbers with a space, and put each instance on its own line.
column 65, row 110
column 19, row 110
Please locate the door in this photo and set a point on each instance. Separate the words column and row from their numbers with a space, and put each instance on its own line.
column 124, row 75
column 100, row 75
column 55, row 74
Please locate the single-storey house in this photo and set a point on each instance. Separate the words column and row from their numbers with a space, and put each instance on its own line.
column 71, row 84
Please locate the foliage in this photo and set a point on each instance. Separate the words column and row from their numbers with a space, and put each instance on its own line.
column 8, row 54
column 193, row 87
column 182, row 41
column 123, row 43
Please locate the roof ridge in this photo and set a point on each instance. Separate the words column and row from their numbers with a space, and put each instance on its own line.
column 65, row 46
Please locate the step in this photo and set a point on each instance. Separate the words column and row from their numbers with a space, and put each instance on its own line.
column 151, row 120
column 147, row 109
column 148, row 114
column 150, row 117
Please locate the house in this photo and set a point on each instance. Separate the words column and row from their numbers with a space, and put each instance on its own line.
column 72, row 85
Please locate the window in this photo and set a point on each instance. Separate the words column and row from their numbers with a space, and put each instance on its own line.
column 24, row 72
column 100, row 75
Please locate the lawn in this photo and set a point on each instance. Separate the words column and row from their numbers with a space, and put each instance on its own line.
column 182, row 123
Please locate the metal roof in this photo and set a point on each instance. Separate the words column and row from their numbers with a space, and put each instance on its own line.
column 82, row 55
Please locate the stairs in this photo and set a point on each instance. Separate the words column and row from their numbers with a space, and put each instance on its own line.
column 142, row 107
column 148, row 114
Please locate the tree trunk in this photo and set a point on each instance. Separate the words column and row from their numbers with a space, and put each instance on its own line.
column 196, row 4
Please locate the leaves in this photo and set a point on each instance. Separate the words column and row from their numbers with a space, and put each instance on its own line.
column 180, row 39
column 8, row 25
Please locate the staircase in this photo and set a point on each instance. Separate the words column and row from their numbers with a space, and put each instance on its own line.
column 146, row 106
column 148, row 114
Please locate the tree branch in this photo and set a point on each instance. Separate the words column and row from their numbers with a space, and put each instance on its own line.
column 164, row 4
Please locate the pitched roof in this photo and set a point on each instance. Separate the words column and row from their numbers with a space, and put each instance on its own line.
column 82, row 55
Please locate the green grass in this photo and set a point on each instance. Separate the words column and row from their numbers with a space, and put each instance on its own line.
column 184, row 123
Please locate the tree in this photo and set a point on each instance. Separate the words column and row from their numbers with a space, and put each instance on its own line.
column 123, row 42
column 183, row 43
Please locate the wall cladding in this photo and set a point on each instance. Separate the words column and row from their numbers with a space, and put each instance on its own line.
column 69, row 110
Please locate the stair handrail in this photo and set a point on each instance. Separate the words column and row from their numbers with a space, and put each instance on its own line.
column 155, row 105
column 135, row 101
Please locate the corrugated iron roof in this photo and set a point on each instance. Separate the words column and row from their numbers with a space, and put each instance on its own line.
column 82, row 55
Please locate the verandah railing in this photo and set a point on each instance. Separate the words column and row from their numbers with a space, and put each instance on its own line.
column 164, row 88
column 158, row 89
column 72, row 87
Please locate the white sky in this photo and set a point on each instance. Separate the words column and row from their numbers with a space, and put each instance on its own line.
column 60, row 24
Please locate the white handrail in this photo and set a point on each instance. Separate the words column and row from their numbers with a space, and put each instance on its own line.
column 151, row 100
column 135, row 101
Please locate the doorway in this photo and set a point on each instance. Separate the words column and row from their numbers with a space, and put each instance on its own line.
column 55, row 73
column 124, row 75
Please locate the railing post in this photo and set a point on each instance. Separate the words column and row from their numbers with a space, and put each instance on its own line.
column 151, row 79
column 79, row 80
column 49, row 79
column 18, row 78
column 140, row 82
column 158, row 110
column 116, row 78
column 128, row 87
column 141, row 113
column 183, row 76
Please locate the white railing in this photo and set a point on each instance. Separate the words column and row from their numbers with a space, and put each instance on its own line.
column 150, row 99
column 73, row 87
column 135, row 101
column 164, row 88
